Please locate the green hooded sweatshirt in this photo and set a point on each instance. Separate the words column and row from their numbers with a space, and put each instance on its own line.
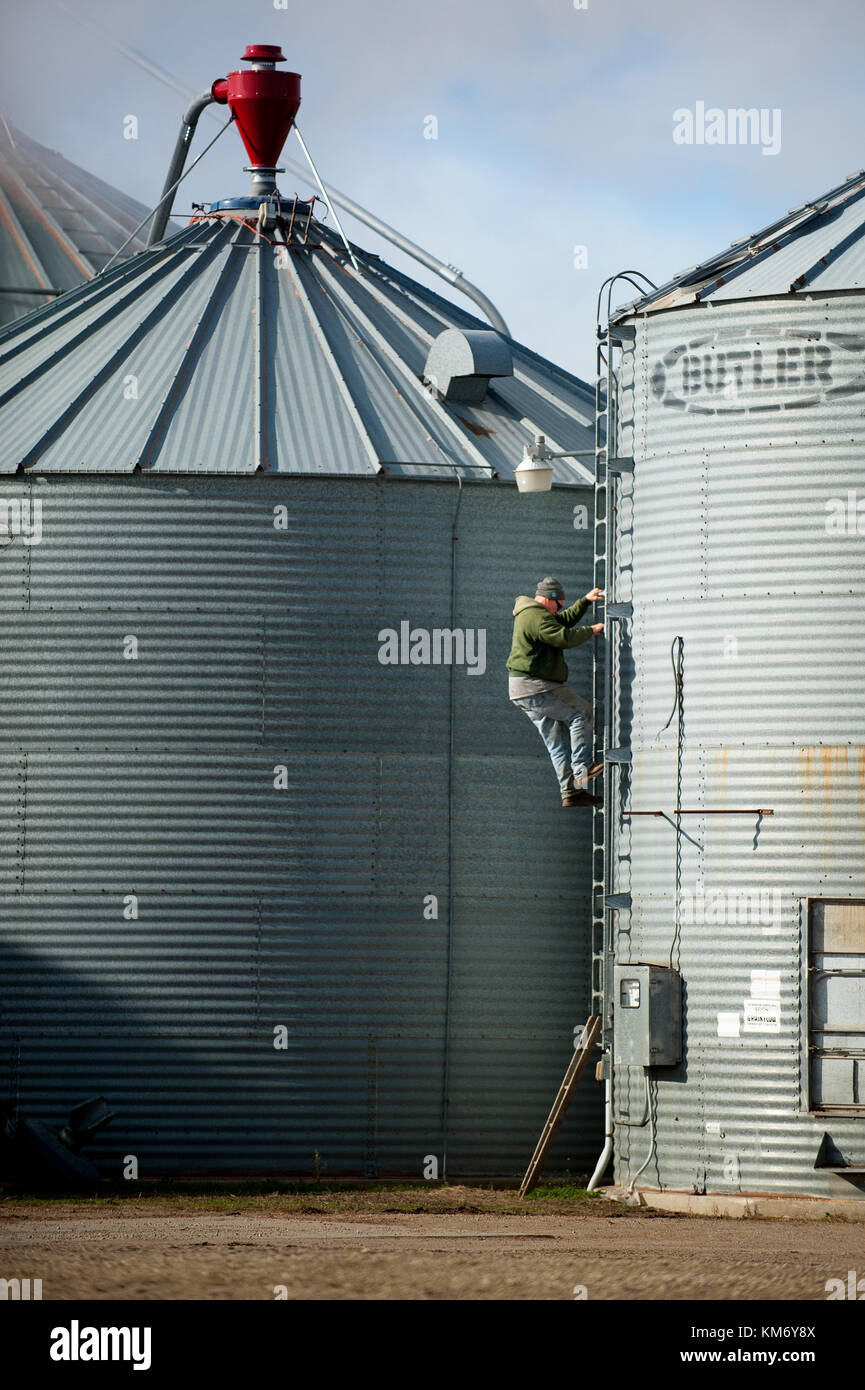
column 540, row 637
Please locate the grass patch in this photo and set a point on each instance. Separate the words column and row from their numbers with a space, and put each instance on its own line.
column 326, row 1199
column 272, row 1197
column 561, row 1192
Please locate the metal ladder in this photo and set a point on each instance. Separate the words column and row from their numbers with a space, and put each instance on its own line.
column 608, row 468
column 601, row 669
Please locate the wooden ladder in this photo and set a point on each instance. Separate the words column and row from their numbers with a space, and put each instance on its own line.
column 576, row 1067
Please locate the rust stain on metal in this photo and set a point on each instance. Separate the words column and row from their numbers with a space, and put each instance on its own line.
column 832, row 757
column 826, row 770
column 805, row 770
column 475, row 429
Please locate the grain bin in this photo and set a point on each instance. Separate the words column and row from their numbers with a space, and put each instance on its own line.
column 59, row 224
column 263, row 887
column 736, row 739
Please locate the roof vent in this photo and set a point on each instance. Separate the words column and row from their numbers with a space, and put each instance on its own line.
column 460, row 363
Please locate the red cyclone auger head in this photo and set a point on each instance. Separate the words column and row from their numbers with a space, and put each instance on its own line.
column 264, row 103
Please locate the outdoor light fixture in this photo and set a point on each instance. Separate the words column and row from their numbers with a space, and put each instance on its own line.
column 535, row 473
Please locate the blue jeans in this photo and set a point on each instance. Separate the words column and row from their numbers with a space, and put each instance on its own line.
column 564, row 722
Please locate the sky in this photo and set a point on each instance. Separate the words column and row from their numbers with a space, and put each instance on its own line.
column 554, row 162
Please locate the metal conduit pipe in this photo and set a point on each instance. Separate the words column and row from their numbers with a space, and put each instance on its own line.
column 175, row 169
column 447, row 272
column 606, row 1152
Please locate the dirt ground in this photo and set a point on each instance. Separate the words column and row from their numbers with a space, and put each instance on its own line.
column 459, row 1243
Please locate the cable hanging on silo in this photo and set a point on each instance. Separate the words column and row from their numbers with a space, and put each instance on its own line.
column 650, row 1118
column 677, row 649
column 676, row 661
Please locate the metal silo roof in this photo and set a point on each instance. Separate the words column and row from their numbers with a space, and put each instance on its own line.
column 817, row 247
column 227, row 349
column 59, row 224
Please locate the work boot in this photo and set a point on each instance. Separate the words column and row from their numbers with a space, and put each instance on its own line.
column 594, row 771
column 583, row 799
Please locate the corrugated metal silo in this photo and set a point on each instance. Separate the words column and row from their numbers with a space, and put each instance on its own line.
column 59, row 224
column 741, row 390
column 282, row 903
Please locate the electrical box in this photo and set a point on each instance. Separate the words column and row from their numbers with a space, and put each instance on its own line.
column 647, row 1016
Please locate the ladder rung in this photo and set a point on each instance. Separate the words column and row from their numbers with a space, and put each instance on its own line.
column 617, row 900
column 618, row 755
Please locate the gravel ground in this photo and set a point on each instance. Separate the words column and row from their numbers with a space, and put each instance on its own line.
column 472, row 1246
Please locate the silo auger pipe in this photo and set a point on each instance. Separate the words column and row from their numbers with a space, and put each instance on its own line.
column 450, row 273
column 175, row 169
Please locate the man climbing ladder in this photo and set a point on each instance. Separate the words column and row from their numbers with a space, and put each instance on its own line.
column 537, row 673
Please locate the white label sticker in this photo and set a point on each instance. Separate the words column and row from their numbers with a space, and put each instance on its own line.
column 765, row 984
column 728, row 1025
column 761, row 1016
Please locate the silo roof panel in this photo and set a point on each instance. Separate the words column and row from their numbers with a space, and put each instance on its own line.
column 312, row 399
column 210, row 413
column 82, row 373
column 59, row 224
column 402, row 419
column 247, row 352
column 817, row 247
